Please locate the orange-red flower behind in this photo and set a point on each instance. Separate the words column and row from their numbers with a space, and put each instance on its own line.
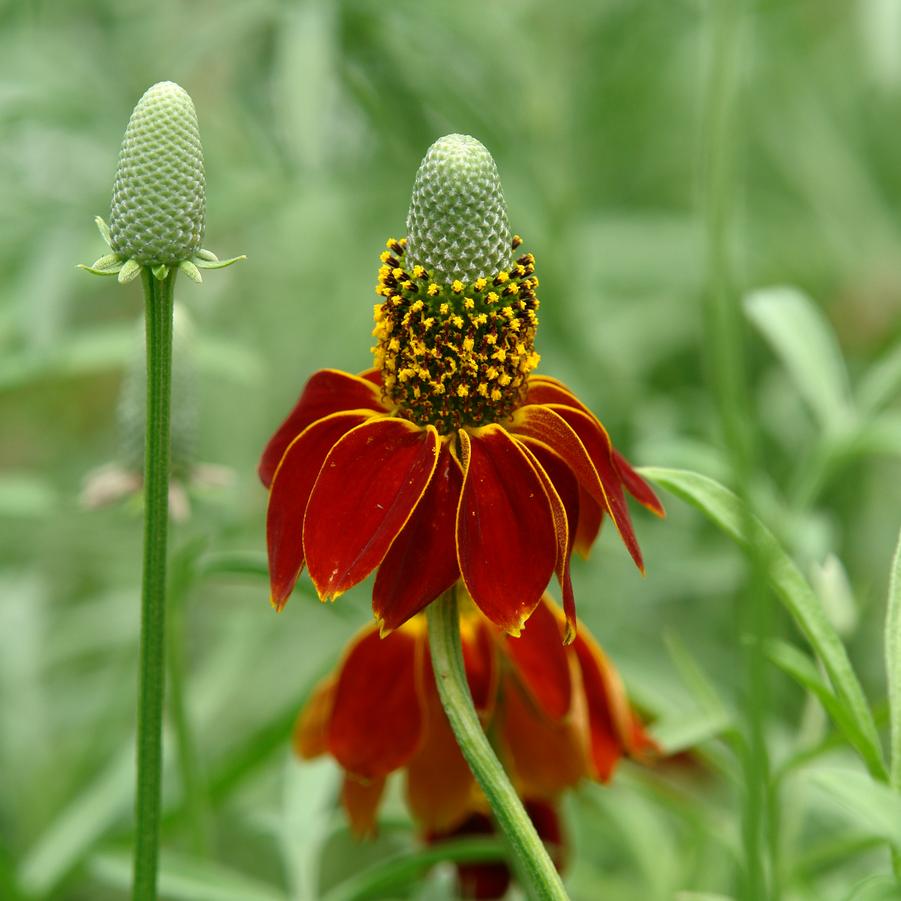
column 556, row 714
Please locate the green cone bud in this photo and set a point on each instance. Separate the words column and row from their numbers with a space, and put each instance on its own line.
column 159, row 200
column 457, row 227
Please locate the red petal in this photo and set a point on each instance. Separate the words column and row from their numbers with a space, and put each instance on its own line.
column 422, row 561
column 591, row 516
column 327, row 391
column 636, row 485
column 480, row 662
column 541, row 662
column 567, row 490
column 370, row 483
column 361, row 800
column 596, row 441
column 546, row 756
column 376, row 723
column 291, row 487
column 543, row 389
column 372, row 375
column 310, row 738
column 611, row 719
column 506, row 543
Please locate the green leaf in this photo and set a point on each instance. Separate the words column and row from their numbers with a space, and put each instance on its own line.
column 804, row 341
column 893, row 665
column 186, row 879
column 203, row 263
column 803, row 670
column 874, row 807
column 723, row 508
column 881, row 383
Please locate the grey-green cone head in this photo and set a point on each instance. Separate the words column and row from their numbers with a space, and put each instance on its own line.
column 457, row 227
column 159, row 197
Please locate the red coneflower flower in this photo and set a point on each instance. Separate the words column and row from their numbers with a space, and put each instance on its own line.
column 449, row 460
column 557, row 714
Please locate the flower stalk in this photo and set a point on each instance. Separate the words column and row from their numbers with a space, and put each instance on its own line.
column 450, row 677
column 158, row 300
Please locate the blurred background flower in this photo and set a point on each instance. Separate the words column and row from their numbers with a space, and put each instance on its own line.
column 314, row 116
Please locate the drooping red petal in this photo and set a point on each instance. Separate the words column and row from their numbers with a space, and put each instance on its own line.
column 310, row 737
column 440, row 785
column 541, row 662
column 591, row 516
column 545, row 756
column 567, row 489
column 612, row 722
column 422, row 561
column 543, row 389
column 480, row 663
column 361, row 800
column 368, row 487
column 291, row 487
column 376, row 722
column 327, row 391
column 506, row 542
column 637, row 486
column 596, row 441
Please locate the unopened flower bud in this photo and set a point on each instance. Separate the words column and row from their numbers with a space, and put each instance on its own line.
column 159, row 199
column 457, row 227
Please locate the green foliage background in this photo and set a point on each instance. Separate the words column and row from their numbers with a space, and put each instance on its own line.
column 662, row 159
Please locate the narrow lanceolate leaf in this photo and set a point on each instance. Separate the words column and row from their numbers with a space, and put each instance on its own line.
column 893, row 664
column 804, row 341
column 723, row 508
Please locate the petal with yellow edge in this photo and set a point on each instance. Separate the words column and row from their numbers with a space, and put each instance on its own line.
column 310, row 737
column 291, row 488
column 422, row 561
column 506, row 542
column 376, row 721
column 368, row 487
column 328, row 391
column 637, row 486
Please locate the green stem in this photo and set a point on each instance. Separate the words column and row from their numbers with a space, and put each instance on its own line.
column 158, row 313
column 450, row 677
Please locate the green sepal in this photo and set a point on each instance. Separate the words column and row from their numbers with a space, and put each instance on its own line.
column 103, row 228
column 191, row 271
column 201, row 263
column 205, row 254
column 129, row 271
column 160, row 272
column 107, row 265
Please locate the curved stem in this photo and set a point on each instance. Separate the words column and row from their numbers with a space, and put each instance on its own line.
column 450, row 677
column 151, row 687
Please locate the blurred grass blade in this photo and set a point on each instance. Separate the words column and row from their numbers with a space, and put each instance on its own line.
column 802, row 669
column 893, row 665
column 69, row 838
column 185, row 878
column 881, row 383
column 875, row 808
column 804, row 341
column 723, row 508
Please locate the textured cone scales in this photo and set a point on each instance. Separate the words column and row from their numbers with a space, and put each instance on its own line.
column 457, row 227
column 159, row 199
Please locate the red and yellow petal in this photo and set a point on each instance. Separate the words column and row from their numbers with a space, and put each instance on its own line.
column 480, row 662
column 360, row 799
column 596, row 442
column 543, row 389
column 541, row 662
column 637, row 486
column 422, row 561
column 591, row 517
column 377, row 718
column 614, row 728
column 328, row 391
column 506, row 540
column 368, row 487
column 291, row 487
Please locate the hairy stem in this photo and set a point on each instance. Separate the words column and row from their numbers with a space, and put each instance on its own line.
column 151, row 687
column 450, row 676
